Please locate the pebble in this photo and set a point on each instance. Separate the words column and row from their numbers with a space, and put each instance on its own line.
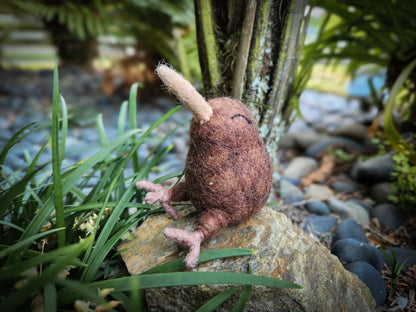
column 349, row 210
column 365, row 204
column 380, row 192
column 369, row 275
column 319, row 224
column 350, row 250
column 333, row 142
column 303, row 140
column 388, row 215
column 318, row 192
column 349, row 228
column 317, row 207
column 373, row 170
column 354, row 131
column 345, row 186
column 290, row 193
column 300, row 167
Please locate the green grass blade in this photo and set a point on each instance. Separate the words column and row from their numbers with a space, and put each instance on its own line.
column 64, row 127
column 99, row 253
column 178, row 264
column 133, row 121
column 101, row 131
column 245, row 295
column 49, row 275
column 18, row 136
column 37, row 259
column 121, row 124
column 180, row 279
column 172, row 175
column 56, row 162
column 218, row 300
column 7, row 196
column 26, row 241
column 49, row 301
column 71, row 180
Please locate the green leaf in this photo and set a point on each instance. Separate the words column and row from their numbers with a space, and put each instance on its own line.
column 26, row 241
column 245, row 295
column 49, row 275
column 178, row 279
column 178, row 264
column 218, row 300
column 18, row 136
column 133, row 121
column 56, row 161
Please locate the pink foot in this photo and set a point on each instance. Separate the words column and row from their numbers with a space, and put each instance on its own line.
column 157, row 193
column 192, row 240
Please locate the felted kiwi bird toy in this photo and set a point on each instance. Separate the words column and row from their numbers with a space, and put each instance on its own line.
column 228, row 171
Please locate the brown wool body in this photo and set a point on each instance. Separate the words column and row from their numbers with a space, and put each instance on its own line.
column 228, row 172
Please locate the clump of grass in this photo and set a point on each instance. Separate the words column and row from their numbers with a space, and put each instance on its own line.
column 394, row 266
column 59, row 236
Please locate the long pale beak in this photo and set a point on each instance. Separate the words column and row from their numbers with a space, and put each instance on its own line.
column 185, row 92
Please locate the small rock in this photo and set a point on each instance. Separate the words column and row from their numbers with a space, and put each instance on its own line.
column 318, row 207
column 350, row 250
column 373, row 170
column 319, row 224
column 369, row 275
column 349, row 210
column 353, row 131
column 318, row 192
column 290, row 193
column 300, row 167
column 388, row 215
column 303, row 140
column 366, row 205
column 402, row 254
column 349, row 228
column 380, row 192
column 345, row 186
column 333, row 142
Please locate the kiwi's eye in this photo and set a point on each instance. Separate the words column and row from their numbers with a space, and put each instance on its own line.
column 239, row 115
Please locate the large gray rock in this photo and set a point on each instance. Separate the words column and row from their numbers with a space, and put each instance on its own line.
column 283, row 252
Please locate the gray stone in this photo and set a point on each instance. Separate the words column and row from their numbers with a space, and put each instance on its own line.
column 380, row 192
column 319, row 224
column 318, row 192
column 300, row 167
column 333, row 142
column 303, row 140
column 345, row 186
column 369, row 275
column 373, row 170
column 282, row 252
column 388, row 215
column 288, row 191
column 318, row 207
column 349, row 210
column 349, row 228
column 366, row 204
column 350, row 250
column 353, row 131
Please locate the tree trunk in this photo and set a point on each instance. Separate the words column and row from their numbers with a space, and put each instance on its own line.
column 249, row 50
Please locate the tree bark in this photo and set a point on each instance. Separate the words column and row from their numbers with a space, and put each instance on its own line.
column 249, row 50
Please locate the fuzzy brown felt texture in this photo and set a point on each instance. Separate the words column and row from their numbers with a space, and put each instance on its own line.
column 228, row 171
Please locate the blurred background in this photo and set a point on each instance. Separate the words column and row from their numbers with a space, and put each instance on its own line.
column 354, row 53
